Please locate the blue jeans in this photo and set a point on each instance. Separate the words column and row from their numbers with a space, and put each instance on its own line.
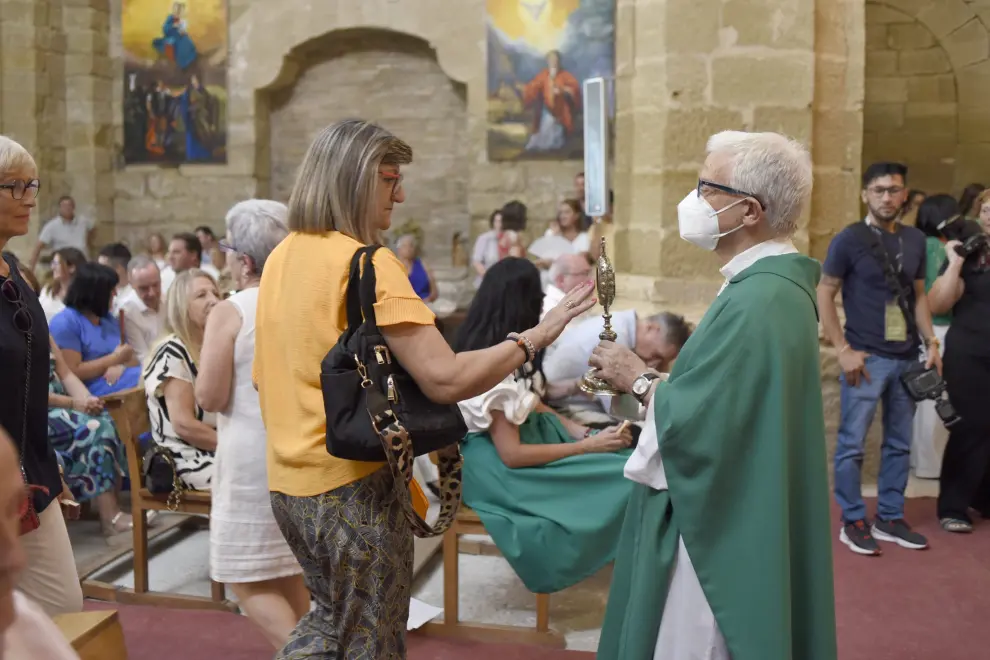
column 859, row 404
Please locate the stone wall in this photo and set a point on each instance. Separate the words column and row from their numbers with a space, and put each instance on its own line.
column 394, row 80
column 927, row 67
column 32, row 95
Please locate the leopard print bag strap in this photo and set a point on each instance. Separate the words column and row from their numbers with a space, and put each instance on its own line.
column 399, row 451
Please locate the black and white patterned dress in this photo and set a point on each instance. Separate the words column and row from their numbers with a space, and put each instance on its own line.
column 171, row 359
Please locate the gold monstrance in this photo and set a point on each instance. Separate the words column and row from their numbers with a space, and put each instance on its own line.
column 605, row 279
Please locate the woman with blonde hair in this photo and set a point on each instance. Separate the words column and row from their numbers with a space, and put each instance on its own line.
column 344, row 519
column 178, row 424
column 247, row 550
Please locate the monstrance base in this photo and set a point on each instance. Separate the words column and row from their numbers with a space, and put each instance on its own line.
column 592, row 384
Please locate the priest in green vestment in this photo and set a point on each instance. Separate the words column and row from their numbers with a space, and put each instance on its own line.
column 725, row 549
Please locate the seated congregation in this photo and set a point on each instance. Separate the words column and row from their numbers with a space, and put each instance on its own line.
column 548, row 489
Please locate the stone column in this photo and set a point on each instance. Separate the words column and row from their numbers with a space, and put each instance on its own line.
column 687, row 69
column 89, row 94
column 840, row 56
column 32, row 102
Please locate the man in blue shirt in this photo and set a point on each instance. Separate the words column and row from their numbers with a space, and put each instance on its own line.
column 881, row 338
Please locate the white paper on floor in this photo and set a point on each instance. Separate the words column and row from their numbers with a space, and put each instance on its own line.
column 420, row 613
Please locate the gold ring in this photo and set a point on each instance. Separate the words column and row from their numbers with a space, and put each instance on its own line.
column 569, row 304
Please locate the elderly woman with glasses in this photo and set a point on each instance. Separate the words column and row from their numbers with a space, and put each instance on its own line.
column 50, row 578
column 247, row 550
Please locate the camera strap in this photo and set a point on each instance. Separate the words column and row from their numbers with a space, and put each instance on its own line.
column 896, row 281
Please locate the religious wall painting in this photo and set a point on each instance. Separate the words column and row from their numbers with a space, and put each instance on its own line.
column 175, row 81
column 540, row 52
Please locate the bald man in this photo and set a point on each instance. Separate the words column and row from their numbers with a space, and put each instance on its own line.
column 566, row 272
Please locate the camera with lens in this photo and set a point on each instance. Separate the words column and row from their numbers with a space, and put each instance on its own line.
column 973, row 244
column 925, row 384
column 972, row 238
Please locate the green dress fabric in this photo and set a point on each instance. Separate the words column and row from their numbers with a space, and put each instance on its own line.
column 741, row 433
column 556, row 524
column 934, row 258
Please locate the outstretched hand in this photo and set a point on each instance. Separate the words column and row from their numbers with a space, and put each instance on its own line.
column 577, row 301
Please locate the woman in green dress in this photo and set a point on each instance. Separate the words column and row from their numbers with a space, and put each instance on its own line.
column 550, row 492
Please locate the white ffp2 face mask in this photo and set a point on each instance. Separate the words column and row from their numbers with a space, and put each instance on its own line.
column 698, row 221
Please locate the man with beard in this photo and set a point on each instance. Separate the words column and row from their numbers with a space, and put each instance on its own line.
column 879, row 265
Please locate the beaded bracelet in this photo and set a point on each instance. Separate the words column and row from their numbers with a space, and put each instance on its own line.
column 525, row 344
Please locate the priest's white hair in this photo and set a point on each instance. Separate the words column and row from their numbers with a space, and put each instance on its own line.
column 772, row 167
column 255, row 227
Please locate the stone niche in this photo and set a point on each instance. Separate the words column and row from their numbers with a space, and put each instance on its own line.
column 927, row 81
column 395, row 80
column 416, row 67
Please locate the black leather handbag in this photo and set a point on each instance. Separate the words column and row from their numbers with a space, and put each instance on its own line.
column 375, row 410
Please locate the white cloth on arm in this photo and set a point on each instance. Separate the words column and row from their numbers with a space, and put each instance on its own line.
column 246, row 544
column 688, row 630
column 171, row 359
column 512, row 396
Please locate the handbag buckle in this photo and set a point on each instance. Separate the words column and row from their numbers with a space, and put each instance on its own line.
column 363, row 372
column 383, row 355
column 393, row 393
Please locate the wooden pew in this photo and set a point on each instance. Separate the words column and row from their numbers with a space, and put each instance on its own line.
column 468, row 522
column 129, row 410
column 93, row 635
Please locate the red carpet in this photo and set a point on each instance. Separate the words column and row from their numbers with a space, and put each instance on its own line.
column 154, row 633
column 915, row 605
column 905, row 605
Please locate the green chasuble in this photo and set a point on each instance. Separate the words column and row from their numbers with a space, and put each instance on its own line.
column 741, row 434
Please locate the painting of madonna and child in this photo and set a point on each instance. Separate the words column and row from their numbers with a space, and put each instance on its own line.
column 540, row 52
column 175, row 81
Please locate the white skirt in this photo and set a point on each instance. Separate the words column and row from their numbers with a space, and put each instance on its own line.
column 246, row 544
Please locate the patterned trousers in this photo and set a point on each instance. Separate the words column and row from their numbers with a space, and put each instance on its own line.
column 356, row 550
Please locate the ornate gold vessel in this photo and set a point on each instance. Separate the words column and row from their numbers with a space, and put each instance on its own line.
column 605, row 280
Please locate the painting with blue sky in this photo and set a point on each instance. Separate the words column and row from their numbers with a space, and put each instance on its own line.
column 540, row 52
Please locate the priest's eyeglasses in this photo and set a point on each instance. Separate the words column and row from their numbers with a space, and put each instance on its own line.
column 20, row 187
column 703, row 183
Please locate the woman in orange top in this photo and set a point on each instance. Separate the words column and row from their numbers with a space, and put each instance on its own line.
column 341, row 518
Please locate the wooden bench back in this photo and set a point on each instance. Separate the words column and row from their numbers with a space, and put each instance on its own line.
column 129, row 410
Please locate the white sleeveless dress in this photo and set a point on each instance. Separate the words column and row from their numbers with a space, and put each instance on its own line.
column 245, row 542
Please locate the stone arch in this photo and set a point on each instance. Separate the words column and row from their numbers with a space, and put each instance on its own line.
column 265, row 56
column 272, row 43
column 393, row 79
column 927, row 78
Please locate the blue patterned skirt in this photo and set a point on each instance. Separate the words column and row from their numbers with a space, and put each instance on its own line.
column 91, row 454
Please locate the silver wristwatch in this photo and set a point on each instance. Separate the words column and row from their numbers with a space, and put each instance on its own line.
column 642, row 384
